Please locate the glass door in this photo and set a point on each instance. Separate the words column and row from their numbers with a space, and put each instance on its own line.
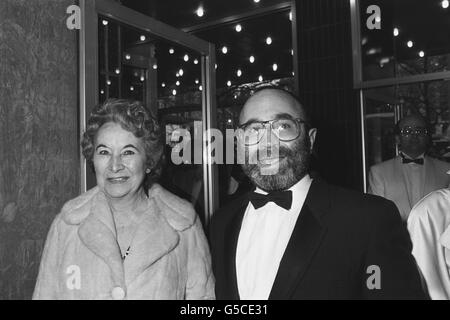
column 125, row 54
column 385, row 106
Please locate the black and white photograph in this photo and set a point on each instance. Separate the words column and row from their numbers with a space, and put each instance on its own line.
column 228, row 153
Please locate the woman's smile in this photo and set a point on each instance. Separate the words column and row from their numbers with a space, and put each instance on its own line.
column 117, row 180
column 120, row 162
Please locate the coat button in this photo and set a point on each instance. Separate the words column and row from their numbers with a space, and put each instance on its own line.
column 118, row 293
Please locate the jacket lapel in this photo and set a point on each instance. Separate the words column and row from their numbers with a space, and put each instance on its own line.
column 98, row 234
column 154, row 239
column 233, row 230
column 304, row 242
column 399, row 186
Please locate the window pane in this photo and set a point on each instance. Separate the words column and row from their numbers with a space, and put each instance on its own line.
column 413, row 37
column 385, row 106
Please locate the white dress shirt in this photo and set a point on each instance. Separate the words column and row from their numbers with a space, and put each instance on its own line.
column 263, row 238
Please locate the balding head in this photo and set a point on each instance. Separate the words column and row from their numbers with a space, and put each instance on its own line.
column 412, row 136
column 413, row 120
column 270, row 103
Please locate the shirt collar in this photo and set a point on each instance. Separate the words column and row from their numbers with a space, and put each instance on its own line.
column 422, row 156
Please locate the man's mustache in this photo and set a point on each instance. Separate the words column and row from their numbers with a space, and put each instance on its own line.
column 283, row 152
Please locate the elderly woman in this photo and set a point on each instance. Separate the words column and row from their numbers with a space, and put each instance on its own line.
column 127, row 238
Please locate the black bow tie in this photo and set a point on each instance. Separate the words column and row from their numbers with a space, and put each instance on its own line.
column 280, row 198
column 418, row 161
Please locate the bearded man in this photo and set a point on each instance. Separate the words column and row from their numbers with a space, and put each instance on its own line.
column 295, row 238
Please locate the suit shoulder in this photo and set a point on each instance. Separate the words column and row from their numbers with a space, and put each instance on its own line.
column 226, row 211
column 382, row 166
column 361, row 206
column 345, row 195
column 178, row 212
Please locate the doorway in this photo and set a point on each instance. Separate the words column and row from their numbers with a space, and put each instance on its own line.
column 125, row 54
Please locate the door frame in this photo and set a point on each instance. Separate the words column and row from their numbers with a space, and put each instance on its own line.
column 88, row 77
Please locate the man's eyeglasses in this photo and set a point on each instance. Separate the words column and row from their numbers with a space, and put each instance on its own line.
column 418, row 131
column 284, row 129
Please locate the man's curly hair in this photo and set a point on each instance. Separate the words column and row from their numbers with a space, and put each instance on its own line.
column 135, row 118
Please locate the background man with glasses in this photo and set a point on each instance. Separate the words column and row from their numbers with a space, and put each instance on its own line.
column 410, row 176
column 292, row 237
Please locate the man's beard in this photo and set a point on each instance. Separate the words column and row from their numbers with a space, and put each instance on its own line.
column 293, row 166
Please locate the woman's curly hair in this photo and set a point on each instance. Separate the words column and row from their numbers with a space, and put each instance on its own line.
column 135, row 118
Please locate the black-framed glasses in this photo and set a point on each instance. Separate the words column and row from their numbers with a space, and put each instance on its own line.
column 418, row 131
column 284, row 129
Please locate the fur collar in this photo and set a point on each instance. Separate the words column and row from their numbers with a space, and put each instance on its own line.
column 155, row 237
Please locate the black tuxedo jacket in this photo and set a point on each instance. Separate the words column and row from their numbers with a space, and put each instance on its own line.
column 341, row 242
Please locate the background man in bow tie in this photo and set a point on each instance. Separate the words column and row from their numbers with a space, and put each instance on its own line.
column 295, row 238
column 412, row 175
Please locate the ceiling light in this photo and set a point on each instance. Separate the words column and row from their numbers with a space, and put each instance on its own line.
column 292, row 52
column 196, row 81
column 108, row 82
column 239, row 72
column 373, row 51
column 229, row 83
column 224, row 50
column 105, row 23
column 252, row 59
column 142, row 38
column 174, row 92
column 256, row 1
column 275, row 67
column 131, row 88
column 421, row 54
column 142, row 78
column 177, row 83
column 410, row 44
column 155, row 66
column 181, row 72
column 163, row 85
column 117, row 71
column 200, row 88
column 216, row 66
column 102, row 92
column 186, row 58
column 260, row 78
column 171, row 51
column 396, row 32
column 238, row 28
column 269, row 41
column 200, row 12
column 290, row 15
column 445, row 4
column 127, row 57
column 195, row 61
column 384, row 61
